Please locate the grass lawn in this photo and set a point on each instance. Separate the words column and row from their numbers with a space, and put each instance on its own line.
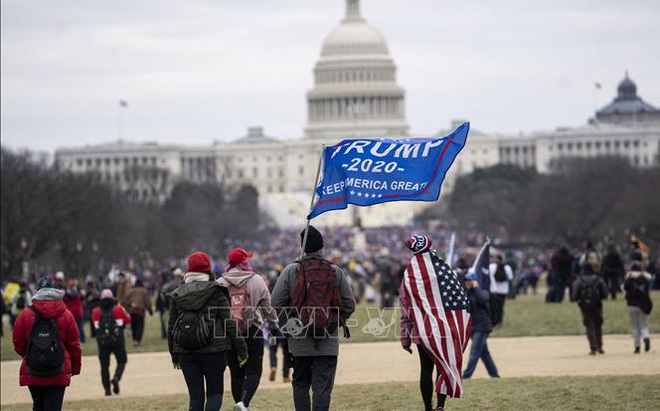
column 527, row 315
column 563, row 393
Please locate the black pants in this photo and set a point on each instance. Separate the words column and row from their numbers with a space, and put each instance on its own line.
column 593, row 321
column 426, row 381
column 286, row 355
column 317, row 373
column 198, row 368
column 501, row 298
column 48, row 398
column 245, row 379
column 137, row 326
column 104, row 358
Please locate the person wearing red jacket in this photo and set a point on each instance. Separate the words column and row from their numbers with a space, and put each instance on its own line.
column 74, row 302
column 110, row 338
column 48, row 391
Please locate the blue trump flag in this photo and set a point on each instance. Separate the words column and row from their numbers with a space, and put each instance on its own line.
column 365, row 172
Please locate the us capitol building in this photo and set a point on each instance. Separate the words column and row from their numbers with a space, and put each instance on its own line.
column 355, row 94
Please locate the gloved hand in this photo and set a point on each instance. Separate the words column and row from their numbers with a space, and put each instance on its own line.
column 407, row 348
column 242, row 361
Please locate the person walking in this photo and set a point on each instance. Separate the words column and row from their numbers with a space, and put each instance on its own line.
column 74, row 303
column 47, row 323
column 325, row 290
column 251, row 307
column 482, row 325
column 613, row 271
column 109, row 320
column 560, row 276
column 200, row 333
column 19, row 301
column 589, row 290
column 431, row 298
column 638, row 299
column 138, row 303
column 501, row 276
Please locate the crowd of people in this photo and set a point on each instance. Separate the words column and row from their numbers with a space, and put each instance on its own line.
column 218, row 312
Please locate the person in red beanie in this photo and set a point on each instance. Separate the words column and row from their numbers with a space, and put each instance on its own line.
column 110, row 319
column 250, row 302
column 201, row 331
column 47, row 380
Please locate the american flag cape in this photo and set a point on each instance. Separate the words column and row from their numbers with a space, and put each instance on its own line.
column 438, row 305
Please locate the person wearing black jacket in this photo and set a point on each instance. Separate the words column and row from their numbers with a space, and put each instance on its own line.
column 200, row 295
column 482, row 325
column 589, row 291
column 613, row 270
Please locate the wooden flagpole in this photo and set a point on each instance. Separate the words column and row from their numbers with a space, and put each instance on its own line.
column 311, row 202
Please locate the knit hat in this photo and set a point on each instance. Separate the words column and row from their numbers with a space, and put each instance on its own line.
column 199, row 262
column 418, row 243
column 237, row 256
column 106, row 293
column 314, row 240
column 46, row 282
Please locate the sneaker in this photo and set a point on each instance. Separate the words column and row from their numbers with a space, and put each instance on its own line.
column 273, row 373
column 600, row 351
column 115, row 386
column 107, row 392
column 592, row 352
column 240, row 407
column 636, row 350
column 647, row 344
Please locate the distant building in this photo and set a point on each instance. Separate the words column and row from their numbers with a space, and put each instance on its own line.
column 628, row 108
column 355, row 94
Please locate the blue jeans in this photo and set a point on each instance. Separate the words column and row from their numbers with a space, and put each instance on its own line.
column 80, row 322
column 480, row 350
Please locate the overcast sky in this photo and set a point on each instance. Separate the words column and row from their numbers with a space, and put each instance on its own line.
column 195, row 71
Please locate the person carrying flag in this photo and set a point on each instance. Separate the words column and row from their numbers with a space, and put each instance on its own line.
column 435, row 318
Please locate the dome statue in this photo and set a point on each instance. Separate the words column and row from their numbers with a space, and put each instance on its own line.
column 355, row 91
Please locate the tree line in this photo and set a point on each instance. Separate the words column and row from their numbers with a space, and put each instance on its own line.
column 52, row 218
column 580, row 200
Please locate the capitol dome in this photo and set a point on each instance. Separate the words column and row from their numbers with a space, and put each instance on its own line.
column 355, row 91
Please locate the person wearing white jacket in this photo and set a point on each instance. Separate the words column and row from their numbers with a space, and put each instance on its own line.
column 501, row 276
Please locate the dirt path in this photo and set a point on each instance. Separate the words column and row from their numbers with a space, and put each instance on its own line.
column 152, row 373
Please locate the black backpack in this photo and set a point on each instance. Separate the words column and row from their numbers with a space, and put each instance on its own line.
column 500, row 273
column 191, row 331
column 108, row 333
column 589, row 295
column 495, row 309
column 44, row 355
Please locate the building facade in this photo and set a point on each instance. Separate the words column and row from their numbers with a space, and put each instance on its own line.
column 355, row 94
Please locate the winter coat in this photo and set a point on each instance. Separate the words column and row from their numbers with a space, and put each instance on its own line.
column 15, row 311
column 198, row 292
column 258, row 296
column 122, row 318
column 636, row 280
column 586, row 280
column 479, row 301
column 48, row 302
column 283, row 295
column 137, row 301
column 612, row 265
column 74, row 304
